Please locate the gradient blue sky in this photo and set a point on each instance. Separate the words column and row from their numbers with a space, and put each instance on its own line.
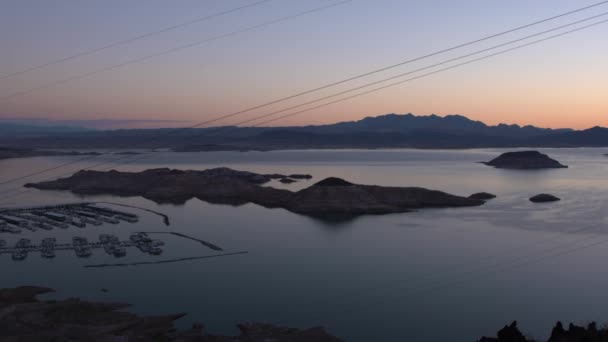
column 560, row 83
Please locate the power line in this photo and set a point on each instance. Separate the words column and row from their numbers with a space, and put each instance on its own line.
column 168, row 51
column 339, row 100
column 317, row 9
column 429, row 74
column 131, row 39
column 401, row 64
column 331, row 84
column 430, row 66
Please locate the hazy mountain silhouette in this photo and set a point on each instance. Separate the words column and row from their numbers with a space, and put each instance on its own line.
column 10, row 128
column 385, row 131
column 452, row 124
column 593, row 137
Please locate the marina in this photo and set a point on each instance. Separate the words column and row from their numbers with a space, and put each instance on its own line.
column 79, row 215
column 82, row 247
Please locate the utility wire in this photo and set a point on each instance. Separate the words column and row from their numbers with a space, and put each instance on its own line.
column 427, row 67
column 130, row 40
column 428, row 74
column 400, row 64
column 168, row 51
column 171, row 131
column 332, row 84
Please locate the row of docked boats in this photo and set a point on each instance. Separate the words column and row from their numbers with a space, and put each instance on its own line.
column 82, row 247
column 48, row 247
column 22, row 247
column 61, row 216
column 146, row 245
column 112, row 245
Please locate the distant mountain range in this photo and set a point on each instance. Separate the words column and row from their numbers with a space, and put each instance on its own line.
column 21, row 129
column 386, row 131
column 38, row 124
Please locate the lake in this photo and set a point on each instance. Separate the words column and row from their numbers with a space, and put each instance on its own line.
column 432, row 275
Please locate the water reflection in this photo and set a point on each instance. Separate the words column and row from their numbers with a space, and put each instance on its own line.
column 394, row 278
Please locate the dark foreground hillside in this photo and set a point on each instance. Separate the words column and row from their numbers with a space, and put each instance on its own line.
column 25, row 318
column 574, row 333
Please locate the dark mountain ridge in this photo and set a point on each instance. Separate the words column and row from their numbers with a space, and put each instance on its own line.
column 385, row 131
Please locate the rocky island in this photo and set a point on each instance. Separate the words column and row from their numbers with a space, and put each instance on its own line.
column 484, row 196
column 329, row 197
column 525, row 160
column 542, row 198
column 25, row 318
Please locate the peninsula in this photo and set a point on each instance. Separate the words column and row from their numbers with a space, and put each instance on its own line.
column 329, row 197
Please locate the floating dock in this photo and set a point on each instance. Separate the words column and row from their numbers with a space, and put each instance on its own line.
column 14, row 220
column 202, row 242
column 82, row 247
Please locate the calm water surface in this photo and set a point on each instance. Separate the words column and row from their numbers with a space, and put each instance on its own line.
column 432, row 275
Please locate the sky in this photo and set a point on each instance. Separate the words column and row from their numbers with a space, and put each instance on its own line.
column 557, row 83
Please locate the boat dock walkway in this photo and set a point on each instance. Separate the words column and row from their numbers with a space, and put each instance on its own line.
column 14, row 220
column 165, row 261
column 82, row 247
column 203, row 242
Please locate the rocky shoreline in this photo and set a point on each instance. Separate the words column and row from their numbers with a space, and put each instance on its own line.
column 332, row 196
column 26, row 318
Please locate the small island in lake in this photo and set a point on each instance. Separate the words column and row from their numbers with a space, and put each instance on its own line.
column 332, row 196
column 26, row 318
column 542, row 198
column 484, row 196
column 525, row 160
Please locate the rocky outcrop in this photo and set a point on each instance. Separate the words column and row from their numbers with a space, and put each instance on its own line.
column 591, row 333
column 300, row 176
column 25, row 318
column 525, row 160
column 484, row 196
column 128, row 153
column 223, row 185
column 542, row 198
column 510, row 333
